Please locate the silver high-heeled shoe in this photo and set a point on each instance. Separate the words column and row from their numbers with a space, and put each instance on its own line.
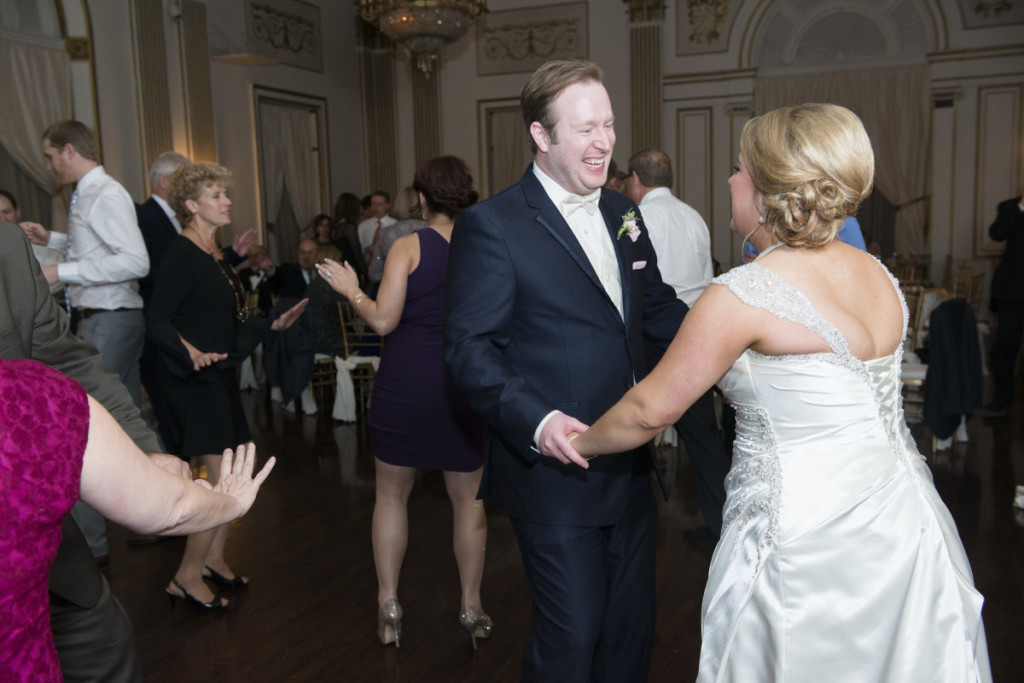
column 474, row 620
column 389, row 614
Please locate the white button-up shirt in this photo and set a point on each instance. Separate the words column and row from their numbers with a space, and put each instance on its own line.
column 592, row 234
column 108, row 254
column 682, row 242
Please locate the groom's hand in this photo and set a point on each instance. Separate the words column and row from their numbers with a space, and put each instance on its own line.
column 554, row 441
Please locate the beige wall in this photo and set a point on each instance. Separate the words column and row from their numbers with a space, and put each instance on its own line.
column 705, row 100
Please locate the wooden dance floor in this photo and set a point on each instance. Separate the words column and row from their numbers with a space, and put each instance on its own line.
column 310, row 614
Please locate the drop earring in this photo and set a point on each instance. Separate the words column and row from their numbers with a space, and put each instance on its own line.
column 761, row 218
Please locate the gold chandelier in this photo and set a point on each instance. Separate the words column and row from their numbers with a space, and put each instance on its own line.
column 424, row 27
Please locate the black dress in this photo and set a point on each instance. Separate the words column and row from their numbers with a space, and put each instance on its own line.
column 196, row 296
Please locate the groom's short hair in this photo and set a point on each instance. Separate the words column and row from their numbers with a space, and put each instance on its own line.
column 546, row 84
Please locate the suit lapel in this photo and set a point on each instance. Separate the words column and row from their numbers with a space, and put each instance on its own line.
column 552, row 220
column 168, row 225
column 613, row 222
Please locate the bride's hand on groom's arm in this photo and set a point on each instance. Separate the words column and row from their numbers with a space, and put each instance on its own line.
column 554, row 439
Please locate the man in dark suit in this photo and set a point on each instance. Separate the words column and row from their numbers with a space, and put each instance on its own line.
column 552, row 287
column 289, row 280
column 1008, row 302
column 94, row 637
column 159, row 227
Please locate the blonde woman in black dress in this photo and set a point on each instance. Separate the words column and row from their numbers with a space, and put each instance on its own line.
column 197, row 318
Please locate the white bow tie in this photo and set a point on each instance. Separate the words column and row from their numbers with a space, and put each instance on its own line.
column 575, row 201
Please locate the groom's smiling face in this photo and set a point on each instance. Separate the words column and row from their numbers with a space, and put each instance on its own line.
column 576, row 152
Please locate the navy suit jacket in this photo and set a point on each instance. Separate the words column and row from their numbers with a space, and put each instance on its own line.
column 157, row 232
column 530, row 329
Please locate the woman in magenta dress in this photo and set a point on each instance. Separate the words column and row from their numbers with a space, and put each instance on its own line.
column 57, row 444
column 418, row 419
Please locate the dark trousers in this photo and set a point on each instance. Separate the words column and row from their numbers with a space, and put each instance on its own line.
column 593, row 595
column 157, row 398
column 96, row 644
column 709, row 460
column 1004, row 355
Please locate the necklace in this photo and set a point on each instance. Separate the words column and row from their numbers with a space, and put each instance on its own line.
column 241, row 312
column 225, row 268
column 769, row 250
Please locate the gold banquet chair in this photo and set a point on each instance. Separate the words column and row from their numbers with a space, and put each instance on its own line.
column 355, row 371
column 913, row 372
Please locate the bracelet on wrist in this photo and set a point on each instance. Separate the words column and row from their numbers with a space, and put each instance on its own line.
column 358, row 297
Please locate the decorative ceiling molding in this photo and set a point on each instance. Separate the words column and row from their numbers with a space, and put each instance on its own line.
column 703, row 26
column 989, row 13
column 518, row 41
column 261, row 32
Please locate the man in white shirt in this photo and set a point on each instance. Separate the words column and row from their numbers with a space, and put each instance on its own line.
column 106, row 256
column 680, row 236
column 683, row 245
column 369, row 229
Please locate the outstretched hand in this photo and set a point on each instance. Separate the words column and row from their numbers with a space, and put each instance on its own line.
column 554, row 439
column 340, row 276
column 236, row 479
column 288, row 318
column 242, row 243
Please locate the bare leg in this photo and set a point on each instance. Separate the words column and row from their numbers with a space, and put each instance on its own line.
column 390, row 526
column 197, row 548
column 470, row 531
column 215, row 553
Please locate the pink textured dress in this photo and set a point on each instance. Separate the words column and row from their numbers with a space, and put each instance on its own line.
column 44, row 426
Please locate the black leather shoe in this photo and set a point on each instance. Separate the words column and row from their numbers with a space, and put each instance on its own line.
column 223, row 582
column 700, row 536
column 216, row 605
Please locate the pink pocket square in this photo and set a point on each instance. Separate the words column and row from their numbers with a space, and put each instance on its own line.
column 638, row 265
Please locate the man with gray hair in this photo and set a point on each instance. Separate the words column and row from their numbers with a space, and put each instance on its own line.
column 159, row 227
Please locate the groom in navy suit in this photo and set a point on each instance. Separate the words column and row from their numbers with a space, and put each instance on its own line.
column 552, row 287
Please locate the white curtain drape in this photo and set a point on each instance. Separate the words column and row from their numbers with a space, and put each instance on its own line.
column 895, row 106
column 288, row 138
column 510, row 149
column 36, row 82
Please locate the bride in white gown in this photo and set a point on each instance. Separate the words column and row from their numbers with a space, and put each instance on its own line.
column 837, row 561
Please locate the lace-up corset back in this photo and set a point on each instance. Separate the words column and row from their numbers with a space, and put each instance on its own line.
column 812, row 410
column 832, row 531
column 839, row 373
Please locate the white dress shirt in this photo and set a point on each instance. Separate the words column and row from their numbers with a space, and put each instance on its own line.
column 369, row 226
column 592, row 234
column 107, row 254
column 681, row 241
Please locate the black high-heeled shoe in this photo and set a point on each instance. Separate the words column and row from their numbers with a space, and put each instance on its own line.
column 476, row 621
column 215, row 605
column 223, row 582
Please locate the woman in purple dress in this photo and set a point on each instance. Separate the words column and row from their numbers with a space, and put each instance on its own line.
column 418, row 419
column 56, row 445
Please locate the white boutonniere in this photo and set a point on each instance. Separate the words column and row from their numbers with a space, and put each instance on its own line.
column 629, row 226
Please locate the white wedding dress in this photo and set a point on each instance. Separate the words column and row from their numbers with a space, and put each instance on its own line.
column 838, row 561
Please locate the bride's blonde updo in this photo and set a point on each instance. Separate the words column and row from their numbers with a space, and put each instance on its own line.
column 813, row 165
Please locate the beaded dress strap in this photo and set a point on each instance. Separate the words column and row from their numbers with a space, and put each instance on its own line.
column 759, row 287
